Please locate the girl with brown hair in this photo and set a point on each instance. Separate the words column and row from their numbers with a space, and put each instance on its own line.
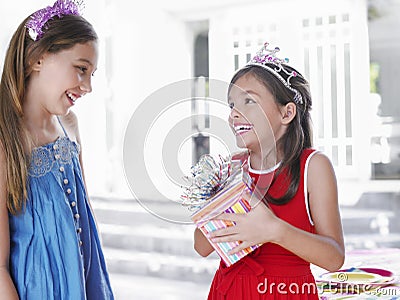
column 297, row 220
column 49, row 245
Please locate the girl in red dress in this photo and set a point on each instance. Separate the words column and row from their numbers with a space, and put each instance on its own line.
column 298, row 220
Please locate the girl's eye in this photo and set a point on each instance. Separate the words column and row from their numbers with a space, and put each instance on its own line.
column 231, row 105
column 82, row 69
column 249, row 100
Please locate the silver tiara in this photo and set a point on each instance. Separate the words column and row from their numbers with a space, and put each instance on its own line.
column 267, row 56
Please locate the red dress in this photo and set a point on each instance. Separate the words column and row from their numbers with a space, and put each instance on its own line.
column 272, row 272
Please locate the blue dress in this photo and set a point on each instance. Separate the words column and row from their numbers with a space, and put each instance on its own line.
column 55, row 252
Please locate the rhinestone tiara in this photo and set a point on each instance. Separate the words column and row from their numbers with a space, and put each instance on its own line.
column 268, row 56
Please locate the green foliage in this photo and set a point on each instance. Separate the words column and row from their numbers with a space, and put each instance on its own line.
column 374, row 77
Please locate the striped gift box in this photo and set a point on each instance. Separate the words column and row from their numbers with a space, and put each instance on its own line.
column 227, row 200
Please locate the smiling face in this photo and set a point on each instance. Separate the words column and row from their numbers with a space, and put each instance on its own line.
column 255, row 117
column 59, row 79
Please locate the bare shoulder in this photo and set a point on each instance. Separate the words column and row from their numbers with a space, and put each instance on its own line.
column 321, row 174
column 70, row 123
column 319, row 162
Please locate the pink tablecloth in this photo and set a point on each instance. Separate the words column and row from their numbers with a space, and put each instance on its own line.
column 388, row 259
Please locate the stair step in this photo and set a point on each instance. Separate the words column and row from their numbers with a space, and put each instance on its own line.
column 175, row 240
column 359, row 213
column 369, row 241
column 128, row 287
column 369, row 221
column 389, row 200
column 155, row 264
column 132, row 212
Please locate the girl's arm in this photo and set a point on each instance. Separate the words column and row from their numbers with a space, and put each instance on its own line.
column 7, row 288
column 325, row 248
column 201, row 244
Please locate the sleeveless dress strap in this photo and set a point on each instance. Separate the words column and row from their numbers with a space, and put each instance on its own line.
column 309, row 153
column 65, row 132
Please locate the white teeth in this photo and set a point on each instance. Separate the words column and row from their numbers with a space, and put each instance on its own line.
column 242, row 128
column 72, row 97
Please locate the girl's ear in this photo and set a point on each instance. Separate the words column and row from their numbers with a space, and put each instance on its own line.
column 37, row 65
column 288, row 113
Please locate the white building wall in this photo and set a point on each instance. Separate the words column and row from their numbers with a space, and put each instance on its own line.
column 141, row 49
column 149, row 48
column 144, row 49
column 315, row 40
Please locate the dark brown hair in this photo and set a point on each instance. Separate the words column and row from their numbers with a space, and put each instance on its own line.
column 298, row 135
column 59, row 34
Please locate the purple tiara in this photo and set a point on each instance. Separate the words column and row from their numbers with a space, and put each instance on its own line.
column 268, row 56
column 37, row 21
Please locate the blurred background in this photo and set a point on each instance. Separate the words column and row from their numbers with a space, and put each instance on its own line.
column 348, row 49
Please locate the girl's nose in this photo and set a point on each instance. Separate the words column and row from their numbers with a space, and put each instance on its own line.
column 234, row 114
column 86, row 85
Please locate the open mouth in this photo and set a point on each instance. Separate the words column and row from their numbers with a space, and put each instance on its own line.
column 242, row 128
column 71, row 97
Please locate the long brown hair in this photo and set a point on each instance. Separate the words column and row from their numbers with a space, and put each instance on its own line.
column 59, row 34
column 298, row 135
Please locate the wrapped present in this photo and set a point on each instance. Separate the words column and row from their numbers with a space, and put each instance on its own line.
column 217, row 187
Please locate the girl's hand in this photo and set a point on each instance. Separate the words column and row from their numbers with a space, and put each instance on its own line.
column 260, row 225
